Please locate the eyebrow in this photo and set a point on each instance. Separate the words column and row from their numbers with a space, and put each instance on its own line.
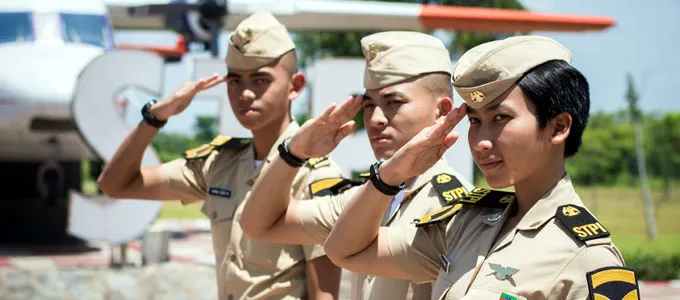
column 492, row 107
column 256, row 74
column 393, row 94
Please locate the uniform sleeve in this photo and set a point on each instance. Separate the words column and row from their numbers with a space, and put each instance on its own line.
column 302, row 192
column 572, row 282
column 187, row 178
column 417, row 250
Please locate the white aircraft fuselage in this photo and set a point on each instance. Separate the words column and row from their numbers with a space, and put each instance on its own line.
column 44, row 45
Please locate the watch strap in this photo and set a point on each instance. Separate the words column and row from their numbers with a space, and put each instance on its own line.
column 380, row 185
column 149, row 118
column 289, row 158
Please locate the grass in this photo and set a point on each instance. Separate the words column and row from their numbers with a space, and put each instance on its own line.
column 176, row 210
column 621, row 211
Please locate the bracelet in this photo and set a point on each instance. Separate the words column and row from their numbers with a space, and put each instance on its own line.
column 149, row 118
column 289, row 158
column 380, row 185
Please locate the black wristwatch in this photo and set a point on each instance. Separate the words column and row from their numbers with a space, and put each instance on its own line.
column 379, row 184
column 288, row 157
column 149, row 118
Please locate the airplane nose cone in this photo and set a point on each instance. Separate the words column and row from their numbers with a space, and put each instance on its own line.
column 42, row 72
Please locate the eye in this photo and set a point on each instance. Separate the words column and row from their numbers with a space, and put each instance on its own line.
column 395, row 102
column 500, row 117
column 233, row 82
column 368, row 105
column 261, row 80
column 473, row 120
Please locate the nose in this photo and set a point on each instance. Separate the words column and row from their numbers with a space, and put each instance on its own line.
column 378, row 118
column 248, row 95
column 481, row 140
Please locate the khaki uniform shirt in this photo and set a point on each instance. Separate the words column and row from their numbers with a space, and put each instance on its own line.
column 319, row 217
column 246, row 269
column 549, row 262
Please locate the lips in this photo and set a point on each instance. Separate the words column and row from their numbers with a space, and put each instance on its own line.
column 381, row 138
column 489, row 165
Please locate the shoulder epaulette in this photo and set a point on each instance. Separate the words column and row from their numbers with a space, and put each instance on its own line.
column 488, row 198
column 218, row 142
column 613, row 283
column 441, row 215
column 331, row 186
column 581, row 223
column 316, row 162
column 364, row 176
column 448, row 187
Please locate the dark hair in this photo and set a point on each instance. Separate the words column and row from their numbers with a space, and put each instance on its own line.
column 556, row 87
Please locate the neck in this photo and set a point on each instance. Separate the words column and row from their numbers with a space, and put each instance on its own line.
column 265, row 137
column 530, row 190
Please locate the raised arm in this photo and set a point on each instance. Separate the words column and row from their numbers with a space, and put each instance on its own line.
column 123, row 176
column 357, row 242
column 270, row 214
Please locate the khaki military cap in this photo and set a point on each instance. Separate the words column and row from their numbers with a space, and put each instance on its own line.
column 487, row 71
column 257, row 41
column 395, row 56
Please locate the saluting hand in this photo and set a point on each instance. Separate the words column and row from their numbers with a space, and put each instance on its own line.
column 423, row 150
column 319, row 136
column 180, row 99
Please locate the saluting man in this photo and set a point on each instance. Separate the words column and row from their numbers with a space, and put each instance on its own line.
column 262, row 81
column 407, row 79
column 528, row 108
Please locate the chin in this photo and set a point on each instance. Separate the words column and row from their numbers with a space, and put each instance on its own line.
column 498, row 182
column 383, row 153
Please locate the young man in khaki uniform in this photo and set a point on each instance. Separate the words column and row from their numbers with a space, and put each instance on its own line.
column 407, row 81
column 528, row 108
column 261, row 83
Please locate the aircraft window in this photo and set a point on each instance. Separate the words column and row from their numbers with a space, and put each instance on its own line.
column 16, row 27
column 86, row 29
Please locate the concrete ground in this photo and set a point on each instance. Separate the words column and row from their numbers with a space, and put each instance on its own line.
column 69, row 272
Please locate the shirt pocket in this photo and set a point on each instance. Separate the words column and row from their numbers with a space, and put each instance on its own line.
column 221, row 207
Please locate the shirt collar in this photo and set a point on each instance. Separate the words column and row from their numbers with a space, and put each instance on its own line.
column 441, row 166
column 544, row 209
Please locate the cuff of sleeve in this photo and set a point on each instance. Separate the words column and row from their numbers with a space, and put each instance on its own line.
column 417, row 266
column 314, row 229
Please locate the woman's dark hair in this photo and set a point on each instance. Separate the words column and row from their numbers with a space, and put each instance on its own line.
column 556, row 87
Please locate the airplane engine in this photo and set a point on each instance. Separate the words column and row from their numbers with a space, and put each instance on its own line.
column 196, row 20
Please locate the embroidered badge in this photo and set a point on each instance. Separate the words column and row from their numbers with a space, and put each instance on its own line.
column 495, row 217
column 505, row 296
column 488, row 198
column 219, row 192
column 502, row 272
column 613, row 283
column 441, row 215
column 580, row 222
column 449, row 188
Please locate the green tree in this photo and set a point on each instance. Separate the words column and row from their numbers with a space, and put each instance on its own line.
column 206, row 129
column 171, row 146
column 663, row 147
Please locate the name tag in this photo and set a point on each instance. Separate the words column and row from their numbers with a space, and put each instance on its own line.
column 219, row 192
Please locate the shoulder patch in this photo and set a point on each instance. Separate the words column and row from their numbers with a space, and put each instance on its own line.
column 331, row 186
column 198, row 152
column 613, row 283
column 218, row 142
column 441, row 215
column 488, row 198
column 316, row 162
column 449, row 188
column 580, row 222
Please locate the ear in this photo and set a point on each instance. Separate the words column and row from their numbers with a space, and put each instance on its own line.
column 561, row 125
column 298, row 82
column 444, row 105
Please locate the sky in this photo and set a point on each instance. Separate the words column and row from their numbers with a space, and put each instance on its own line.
column 644, row 42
